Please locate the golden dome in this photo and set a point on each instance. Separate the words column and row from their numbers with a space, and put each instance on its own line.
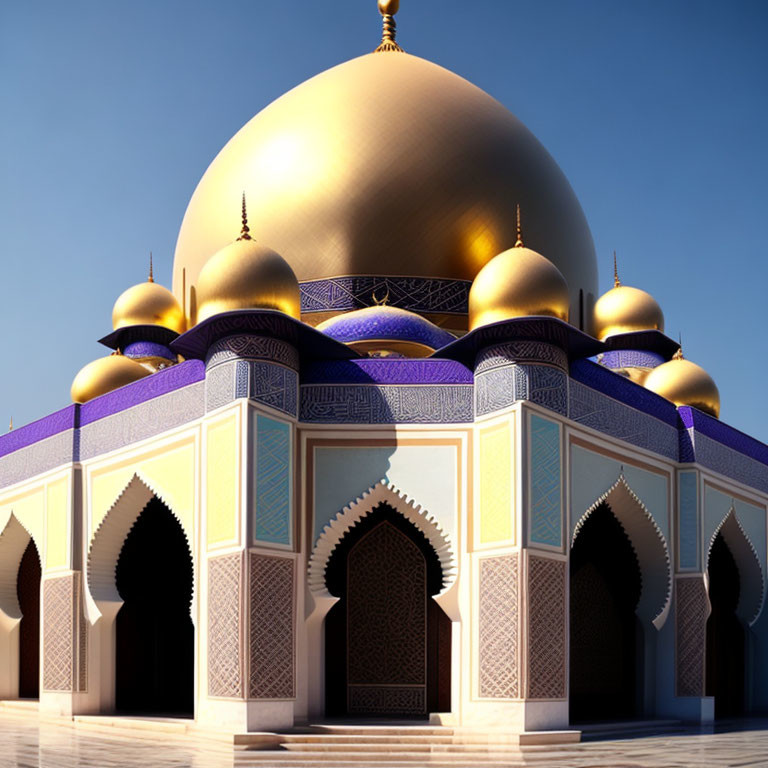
column 388, row 165
column 246, row 275
column 105, row 374
column 624, row 309
column 517, row 283
column 685, row 383
column 148, row 303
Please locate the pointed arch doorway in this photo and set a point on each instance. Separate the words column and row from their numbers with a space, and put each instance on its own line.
column 28, row 593
column 154, row 670
column 388, row 643
column 606, row 649
column 726, row 642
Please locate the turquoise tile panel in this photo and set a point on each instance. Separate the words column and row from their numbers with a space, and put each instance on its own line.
column 689, row 520
column 546, row 492
column 273, row 481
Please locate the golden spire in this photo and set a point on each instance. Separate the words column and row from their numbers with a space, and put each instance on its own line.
column 616, row 281
column 10, row 426
column 519, row 241
column 679, row 354
column 388, row 9
column 245, row 232
column 151, row 278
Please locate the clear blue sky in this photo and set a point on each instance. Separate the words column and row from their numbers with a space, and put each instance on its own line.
column 110, row 112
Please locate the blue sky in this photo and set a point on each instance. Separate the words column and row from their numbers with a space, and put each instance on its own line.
column 110, row 113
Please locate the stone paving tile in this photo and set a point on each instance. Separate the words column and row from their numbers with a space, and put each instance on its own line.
column 26, row 743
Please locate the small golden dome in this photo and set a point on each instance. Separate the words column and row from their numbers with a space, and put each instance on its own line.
column 148, row 303
column 246, row 275
column 105, row 374
column 517, row 283
column 624, row 309
column 685, row 383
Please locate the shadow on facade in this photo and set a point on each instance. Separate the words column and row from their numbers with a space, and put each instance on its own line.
column 154, row 632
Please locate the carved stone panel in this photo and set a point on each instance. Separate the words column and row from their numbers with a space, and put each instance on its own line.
column 691, row 612
column 224, row 647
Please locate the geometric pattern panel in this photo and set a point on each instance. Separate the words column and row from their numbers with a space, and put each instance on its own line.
column 224, row 657
column 691, row 612
column 689, row 520
column 271, row 628
column 546, row 517
column 59, row 633
column 496, row 513
column 273, row 481
column 275, row 386
column 498, row 628
column 364, row 700
column 547, row 636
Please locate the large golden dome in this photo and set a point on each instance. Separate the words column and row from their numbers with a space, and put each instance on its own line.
column 388, row 165
column 105, row 374
column 685, row 383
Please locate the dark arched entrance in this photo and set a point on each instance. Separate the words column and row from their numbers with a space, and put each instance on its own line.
column 155, row 635
column 28, row 592
column 606, row 636
column 388, row 643
column 725, row 634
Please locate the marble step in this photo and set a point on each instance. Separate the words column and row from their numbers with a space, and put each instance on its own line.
column 617, row 729
column 382, row 730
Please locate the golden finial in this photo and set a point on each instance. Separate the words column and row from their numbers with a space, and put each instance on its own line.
column 380, row 302
column 151, row 278
column 245, row 232
column 519, row 241
column 616, row 281
column 117, row 352
column 388, row 9
column 679, row 354
column 10, row 426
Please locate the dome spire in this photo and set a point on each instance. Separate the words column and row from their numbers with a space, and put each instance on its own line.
column 388, row 9
column 616, row 281
column 151, row 278
column 245, row 232
column 519, row 241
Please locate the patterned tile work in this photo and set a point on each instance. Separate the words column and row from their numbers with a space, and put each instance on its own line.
column 498, row 628
column 386, row 370
column 82, row 638
column 340, row 404
column 275, row 386
column 728, row 462
column 521, row 352
column 33, row 459
column 546, row 493
column 688, row 520
column 59, row 649
column 547, row 631
column 627, row 358
column 273, row 481
column 419, row 294
column 496, row 510
column 224, row 657
column 691, row 611
column 272, row 642
column 501, row 386
column 220, row 385
column 248, row 347
column 142, row 421
column 593, row 409
column 365, row 700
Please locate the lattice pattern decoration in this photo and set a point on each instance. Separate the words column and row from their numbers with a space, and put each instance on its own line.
column 272, row 640
column 59, row 633
column 498, row 628
column 546, row 516
column 547, row 631
column 691, row 612
column 225, row 677
column 386, row 617
column 273, row 481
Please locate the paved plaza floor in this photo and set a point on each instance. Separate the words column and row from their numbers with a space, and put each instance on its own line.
column 27, row 743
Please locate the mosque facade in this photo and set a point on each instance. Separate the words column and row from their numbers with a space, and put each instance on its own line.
column 383, row 452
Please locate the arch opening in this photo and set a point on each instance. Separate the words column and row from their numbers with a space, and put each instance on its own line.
column 28, row 595
column 154, row 645
column 386, row 573
column 607, row 643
